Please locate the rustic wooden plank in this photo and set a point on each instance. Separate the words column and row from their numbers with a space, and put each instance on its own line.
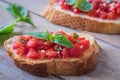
column 38, row 5
column 108, row 67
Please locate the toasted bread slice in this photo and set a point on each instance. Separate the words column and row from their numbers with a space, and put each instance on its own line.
column 56, row 15
column 68, row 66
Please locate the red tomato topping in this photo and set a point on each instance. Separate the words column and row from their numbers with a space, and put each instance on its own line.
column 85, row 44
column 21, row 50
column 76, row 10
column 51, row 53
column 111, row 15
column 76, row 51
column 65, row 53
column 17, row 44
column 103, row 9
column 32, row 54
column 32, row 43
column 35, row 48
column 65, row 6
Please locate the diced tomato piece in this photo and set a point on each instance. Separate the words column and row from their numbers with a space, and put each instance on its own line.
column 111, row 15
column 17, row 44
column 42, row 54
column 95, row 5
column 32, row 54
column 65, row 53
column 32, row 43
column 51, row 53
column 85, row 44
column 76, row 51
column 103, row 15
column 21, row 51
column 70, row 37
column 76, row 10
column 92, row 13
column 103, row 6
column 66, row 6
column 82, row 38
column 118, row 11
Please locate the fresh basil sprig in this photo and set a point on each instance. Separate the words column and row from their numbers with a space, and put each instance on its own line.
column 21, row 15
column 43, row 35
column 7, row 29
column 83, row 5
column 57, row 38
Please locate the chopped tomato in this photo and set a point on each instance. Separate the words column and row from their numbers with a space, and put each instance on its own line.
column 95, row 5
column 32, row 43
column 85, row 44
column 82, row 38
column 51, row 53
column 76, row 51
column 17, row 44
column 111, row 15
column 32, row 54
column 76, row 10
column 42, row 54
column 92, row 13
column 70, row 37
column 66, row 6
column 21, row 51
column 103, row 15
column 118, row 11
column 65, row 53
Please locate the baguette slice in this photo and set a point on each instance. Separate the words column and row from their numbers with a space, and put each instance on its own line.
column 56, row 15
column 68, row 67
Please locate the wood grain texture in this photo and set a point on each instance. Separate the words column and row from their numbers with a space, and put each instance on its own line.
column 38, row 5
column 109, row 57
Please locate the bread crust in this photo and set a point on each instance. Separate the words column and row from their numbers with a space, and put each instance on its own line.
column 78, row 21
column 68, row 67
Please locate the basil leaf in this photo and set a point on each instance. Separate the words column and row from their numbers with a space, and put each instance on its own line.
column 27, row 20
column 85, row 6
column 7, row 29
column 17, row 11
column 50, row 37
column 62, row 40
column 76, row 5
column 70, row 2
column 42, row 35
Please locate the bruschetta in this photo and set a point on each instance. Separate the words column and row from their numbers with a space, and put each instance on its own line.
column 102, row 16
column 60, row 53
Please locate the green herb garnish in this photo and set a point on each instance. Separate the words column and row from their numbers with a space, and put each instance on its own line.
column 21, row 15
column 22, row 41
column 83, row 5
column 58, row 48
column 75, row 35
column 56, row 38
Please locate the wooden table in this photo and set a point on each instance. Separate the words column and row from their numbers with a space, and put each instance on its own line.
column 109, row 57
